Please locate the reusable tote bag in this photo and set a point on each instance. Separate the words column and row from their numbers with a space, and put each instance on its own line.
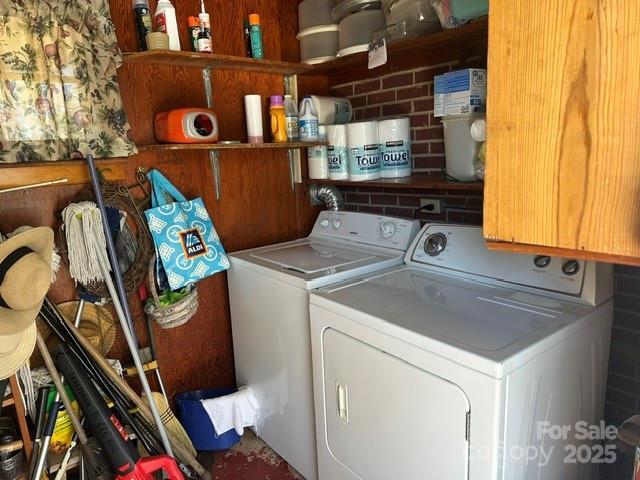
column 186, row 241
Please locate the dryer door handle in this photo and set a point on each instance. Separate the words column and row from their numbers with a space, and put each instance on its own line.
column 343, row 402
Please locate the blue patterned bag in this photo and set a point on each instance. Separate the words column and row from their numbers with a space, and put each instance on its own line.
column 186, row 241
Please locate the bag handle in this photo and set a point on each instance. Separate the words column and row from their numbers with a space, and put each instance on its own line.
column 162, row 188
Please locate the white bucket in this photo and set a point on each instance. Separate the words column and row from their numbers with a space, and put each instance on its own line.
column 363, row 151
column 395, row 147
column 460, row 148
column 337, row 152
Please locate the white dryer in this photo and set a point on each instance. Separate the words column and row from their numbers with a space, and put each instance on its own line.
column 455, row 365
column 269, row 295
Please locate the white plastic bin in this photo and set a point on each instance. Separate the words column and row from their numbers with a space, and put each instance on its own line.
column 356, row 30
column 318, row 44
column 460, row 148
column 312, row 13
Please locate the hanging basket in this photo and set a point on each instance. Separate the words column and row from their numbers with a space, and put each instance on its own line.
column 176, row 314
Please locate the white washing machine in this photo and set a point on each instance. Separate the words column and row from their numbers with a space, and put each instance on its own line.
column 269, row 294
column 455, row 365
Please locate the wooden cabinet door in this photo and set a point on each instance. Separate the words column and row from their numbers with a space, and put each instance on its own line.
column 563, row 152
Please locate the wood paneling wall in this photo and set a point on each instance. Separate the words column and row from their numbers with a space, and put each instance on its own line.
column 257, row 207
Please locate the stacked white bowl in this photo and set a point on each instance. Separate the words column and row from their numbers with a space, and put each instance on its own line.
column 358, row 19
column 318, row 33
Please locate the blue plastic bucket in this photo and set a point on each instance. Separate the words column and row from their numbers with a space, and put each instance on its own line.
column 198, row 424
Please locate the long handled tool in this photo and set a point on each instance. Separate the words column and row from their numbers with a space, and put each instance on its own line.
column 41, row 407
column 121, row 303
column 121, row 454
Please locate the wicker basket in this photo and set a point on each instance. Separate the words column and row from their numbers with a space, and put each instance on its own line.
column 174, row 315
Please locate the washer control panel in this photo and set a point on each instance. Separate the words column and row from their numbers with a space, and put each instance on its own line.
column 461, row 249
column 370, row 229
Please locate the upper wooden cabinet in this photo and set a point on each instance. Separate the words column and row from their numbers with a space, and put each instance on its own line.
column 563, row 152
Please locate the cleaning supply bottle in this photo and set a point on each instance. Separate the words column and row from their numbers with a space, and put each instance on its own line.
column 291, row 118
column 247, row 39
column 204, row 40
column 166, row 22
column 278, row 121
column 142, row 17
column 308, row 121
column 194, row 31
column 255, row 30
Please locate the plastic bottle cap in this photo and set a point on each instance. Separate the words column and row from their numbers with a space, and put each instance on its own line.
column 194, row 22
column 276, row 100
column 254, row 19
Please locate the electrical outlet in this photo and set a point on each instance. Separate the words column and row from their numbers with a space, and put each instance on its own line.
column 430, row 205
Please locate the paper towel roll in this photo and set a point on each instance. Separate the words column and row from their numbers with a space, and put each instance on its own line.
column 363, row 148
column 337, row 152
column 332, row 110
column 317, row 157
column 395, row 147
column 253, row 111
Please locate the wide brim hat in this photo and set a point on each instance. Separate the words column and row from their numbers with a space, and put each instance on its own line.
column 25, row 278
column 15, row 350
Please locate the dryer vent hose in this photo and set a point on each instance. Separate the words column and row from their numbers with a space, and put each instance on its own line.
column 330, row 195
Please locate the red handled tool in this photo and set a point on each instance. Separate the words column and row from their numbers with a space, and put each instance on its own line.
column 120, row 453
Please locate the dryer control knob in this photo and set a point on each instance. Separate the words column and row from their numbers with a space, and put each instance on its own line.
column 324, row 223
column 388, row 229
column 570, row 267
column 337, row 223
column 435, row 244
column 542, row 261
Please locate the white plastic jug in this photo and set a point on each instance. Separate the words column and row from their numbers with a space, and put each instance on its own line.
column 308, row 121
column 460, row 149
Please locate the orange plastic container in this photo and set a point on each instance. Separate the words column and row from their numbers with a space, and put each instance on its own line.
column 186, row 125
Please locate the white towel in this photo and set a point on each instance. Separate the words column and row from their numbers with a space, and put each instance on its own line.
column 237, row 410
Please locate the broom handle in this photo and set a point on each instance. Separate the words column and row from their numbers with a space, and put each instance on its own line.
column 122, row 305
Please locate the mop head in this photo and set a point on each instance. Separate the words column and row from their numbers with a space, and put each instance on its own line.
column 86, row 243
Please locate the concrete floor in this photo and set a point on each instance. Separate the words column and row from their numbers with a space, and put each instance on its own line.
column 251, row 459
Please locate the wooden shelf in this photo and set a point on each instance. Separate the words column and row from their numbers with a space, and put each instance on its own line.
column 214, row 61
column 161, row 147
column 456, row 43
column 75, row 171
column 419, row 181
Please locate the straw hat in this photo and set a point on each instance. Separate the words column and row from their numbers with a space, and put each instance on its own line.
column 25, row 278
column 96, row 324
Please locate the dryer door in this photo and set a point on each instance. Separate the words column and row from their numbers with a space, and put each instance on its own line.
column 386, row 418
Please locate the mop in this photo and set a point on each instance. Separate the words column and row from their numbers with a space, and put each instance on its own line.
column 91, row 256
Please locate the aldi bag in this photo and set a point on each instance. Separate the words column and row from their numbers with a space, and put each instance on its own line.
column 187, row 244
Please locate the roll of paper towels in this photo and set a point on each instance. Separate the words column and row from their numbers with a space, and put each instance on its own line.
column 332, row 110
column 363, row 150
column 395, row 147
column 337, row 152
column 317, row 157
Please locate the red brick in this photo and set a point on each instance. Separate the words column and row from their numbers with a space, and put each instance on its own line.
column 366, row 87
column 368, row 113
column 381, row 97
column 413, row 92
column 418, row 148
column 357, row 102
column 399, row 80
column 419, row 120
column 399, row 212
column 342, row 90
column 426, row 163
column 356, row 198
column 431, row 217
column 423, row 105
column 434, row 120
column 436, row 147
column 396, row 109
column 406, row 201
column 384, row 200
column 434, row 133
column 370, row 209
column 424, row 76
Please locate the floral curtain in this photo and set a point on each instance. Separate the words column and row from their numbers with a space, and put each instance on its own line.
column 59, row 95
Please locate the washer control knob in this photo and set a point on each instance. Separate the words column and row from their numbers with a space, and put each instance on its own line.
column 324, row 223
column 388, row 229
column 570, row 267
column 435, row 244
column 337, row 223
column 542, row 261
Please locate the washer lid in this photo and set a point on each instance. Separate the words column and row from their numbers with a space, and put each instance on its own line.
column 461, row 320
column 313, row 256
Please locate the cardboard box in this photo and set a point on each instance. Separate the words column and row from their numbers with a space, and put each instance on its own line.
column 438, row 96
column 465, row 91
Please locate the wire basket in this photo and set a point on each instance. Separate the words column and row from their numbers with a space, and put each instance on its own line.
column 176, row 314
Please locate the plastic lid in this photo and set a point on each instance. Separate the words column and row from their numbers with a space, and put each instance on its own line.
column 140, row 3
column 254, row 19
column 194, row 22
column 277, row 100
